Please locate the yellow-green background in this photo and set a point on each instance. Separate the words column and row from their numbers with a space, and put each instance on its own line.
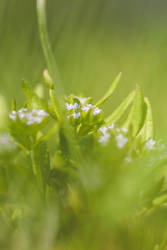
column 93, row 40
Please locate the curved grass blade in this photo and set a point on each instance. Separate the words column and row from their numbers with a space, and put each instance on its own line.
column 110, row 91
column 116, row 115
column 147, row 132
column 46, row 46
column 137, row 114
column 149, row 124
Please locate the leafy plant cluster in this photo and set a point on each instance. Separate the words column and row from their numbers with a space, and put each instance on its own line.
column 72, row 178
column 67, row 172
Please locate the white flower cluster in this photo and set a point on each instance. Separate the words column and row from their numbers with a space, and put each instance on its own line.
column 73, row 107
column 35, row 116
column 76, row 108
column 6, row 144
column 121, row 140
column 70, row 106
column 106, row 135
column 150, row 144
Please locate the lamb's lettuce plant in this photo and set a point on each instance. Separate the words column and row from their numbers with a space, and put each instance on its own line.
column 67, row 170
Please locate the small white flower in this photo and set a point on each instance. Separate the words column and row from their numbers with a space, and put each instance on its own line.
column 118, row 130
column 97, row 111
column 76, row 115
column 38, row 119
column 150, row 144
column 103, row 129
column 83, row 100
column 32, row 117
column 104, row 139
column 69, row 106
column 121, row 140
column 76, row 106
column 40, row 112
column 13, row 115
column 111, row 126
column 22, row 110
column 30, row 122
column 87, row 107
column 106, row 128
column 22, row 113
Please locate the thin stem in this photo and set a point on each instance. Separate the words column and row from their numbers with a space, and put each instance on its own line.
column 46, row 46
column 37, row 173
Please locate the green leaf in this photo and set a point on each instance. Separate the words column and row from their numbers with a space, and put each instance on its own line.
column 32, row 97
column 55, row 105
column 13, row 104
column 160, row 200
column 110, row 91
column 116, row 115
column 147, row 132
column 21, row 136
column 137, row 114
column 41, row 165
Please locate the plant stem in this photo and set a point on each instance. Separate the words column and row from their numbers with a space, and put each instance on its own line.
column 46, row 46
column 37, row 173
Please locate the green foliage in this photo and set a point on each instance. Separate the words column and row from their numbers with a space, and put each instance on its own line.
column 71, row 178
column 116, row 115
column 110, row 91
column 83, row 170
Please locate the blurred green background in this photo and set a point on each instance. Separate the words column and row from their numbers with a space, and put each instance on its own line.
column 93, row 41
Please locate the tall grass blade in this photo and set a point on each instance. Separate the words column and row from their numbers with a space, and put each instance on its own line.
column 116, row 115
column 147, row 132
column 110, row 91
column 137, row 114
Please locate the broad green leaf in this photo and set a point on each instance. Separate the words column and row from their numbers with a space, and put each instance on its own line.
column 147, row 132
column 137, row 114
column 116, row 115
column 110, row 91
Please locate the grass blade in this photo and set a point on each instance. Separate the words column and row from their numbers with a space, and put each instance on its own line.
column 147, row 132
column 110, row 91
column 116, row 115
column 137, row 114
